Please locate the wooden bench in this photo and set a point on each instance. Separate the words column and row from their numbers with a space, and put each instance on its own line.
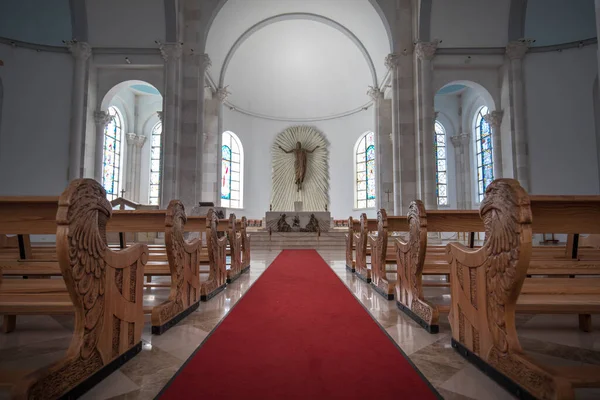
column 486, row 287
column 105, row 289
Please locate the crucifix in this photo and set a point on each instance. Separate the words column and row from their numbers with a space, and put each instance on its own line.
column 123, row 192
column 388, row 191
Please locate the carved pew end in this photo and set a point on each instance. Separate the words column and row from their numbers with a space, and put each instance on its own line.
column 431, row 328
column 386, row 295
column 159, row 330
column 351, row 267
column 364, row 277
column 507, row 383
column 208, row 296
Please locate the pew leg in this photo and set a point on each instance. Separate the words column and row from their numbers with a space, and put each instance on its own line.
column 148, row 278
column 585, row 322
column 9, row 324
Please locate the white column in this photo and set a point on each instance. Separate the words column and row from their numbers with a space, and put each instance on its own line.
column 461, row 162
column 392, row 63
column 425, row 52
column 171, row 53
column 81, row 51
column 102, row 118
column 494, row 119
column 137, row 168
column 129, row 165
column 377, row 97
column 515, row 51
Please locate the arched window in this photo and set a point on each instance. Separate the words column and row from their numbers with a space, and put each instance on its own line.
column 111, row 163
column 155, row 144
column 483, row 152
column 365, row 171
column 441, row 172
column 232, row 174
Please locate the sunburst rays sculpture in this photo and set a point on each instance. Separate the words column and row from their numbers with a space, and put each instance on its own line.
column 313, row 191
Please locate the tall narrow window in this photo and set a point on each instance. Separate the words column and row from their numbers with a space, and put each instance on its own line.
column 111, row 165
column 483, row 151
column 232, row 174
column 441, row 174
column 155, row 172
column 365, row 171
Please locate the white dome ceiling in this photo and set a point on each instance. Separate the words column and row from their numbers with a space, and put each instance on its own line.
column 298, row 69
column 291, row 59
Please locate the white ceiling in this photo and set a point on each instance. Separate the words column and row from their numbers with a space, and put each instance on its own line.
column 298, row 68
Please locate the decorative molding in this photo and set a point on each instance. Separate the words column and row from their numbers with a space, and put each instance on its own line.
column 233, row 107
column 392, row 60
column 314, row 193
column 426, row 50
column 494, row 118
column 222, row 93
column 139, row 141
column 102, row 118
column 516, row 50
column 205, row 62
column 170, row 51
column 375, row 93
column 460, row 140
column 130, row 137
column 79, row 50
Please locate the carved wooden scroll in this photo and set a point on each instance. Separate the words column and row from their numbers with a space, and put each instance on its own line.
column 216, row 246
column 485, row 285
column 106, row 290
column 245, row 246
column 361, row 238
column 410, row 258
column 184, row 264
column 349, row 245
column 235, row 244
column 378, row 243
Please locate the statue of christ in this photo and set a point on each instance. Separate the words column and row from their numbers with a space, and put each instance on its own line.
column 299, row 163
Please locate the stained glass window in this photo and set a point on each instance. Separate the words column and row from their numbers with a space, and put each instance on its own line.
column 155, row 148
column 365, row 171
column 111, row 162
column 441, row 172
column 232, row 162
column 483, row 151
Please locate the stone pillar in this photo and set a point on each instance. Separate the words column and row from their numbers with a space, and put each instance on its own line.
column 377, row 97
column 515, row 51
column 221, row 95
column 403, row 130
column 102, row 118
column 189, row 168
column 171, row 53
column 462, row 167
column 130, row 165
column 494, row 119
column 425, row 52
column 81, row 51
column 137, row 168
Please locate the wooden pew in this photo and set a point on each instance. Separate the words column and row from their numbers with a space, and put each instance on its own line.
column 379, row 244
column 486, row 286
column 105, row 288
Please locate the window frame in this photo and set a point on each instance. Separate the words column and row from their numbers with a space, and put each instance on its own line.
column 118, row 120
column 153, row 146
column 229, row 139
column 358, row 168
column 438, row 170
column 479, row 161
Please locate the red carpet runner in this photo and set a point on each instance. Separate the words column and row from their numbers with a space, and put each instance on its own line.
column 298, row 333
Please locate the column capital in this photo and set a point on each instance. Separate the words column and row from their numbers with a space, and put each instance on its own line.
column 139, row 141
column 392, row 60
column 130, row 137
column 79, row 50
column 426, row 50
column 102, row 118
column 160, row 116
column 222, row 93
column 203, row 61
column 460, row 140
column 375, row 93
column 494, row 118
column 170, row 51
column 516, row 50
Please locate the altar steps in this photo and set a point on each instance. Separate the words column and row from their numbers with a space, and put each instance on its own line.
column 334, row 239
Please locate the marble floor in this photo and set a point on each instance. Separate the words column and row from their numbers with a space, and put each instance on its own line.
column 40, row 340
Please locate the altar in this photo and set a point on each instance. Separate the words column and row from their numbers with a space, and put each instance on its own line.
column 298, row 221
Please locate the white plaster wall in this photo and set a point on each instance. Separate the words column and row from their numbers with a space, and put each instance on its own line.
column 257, row 136
column 34, row 136
column 560, row 121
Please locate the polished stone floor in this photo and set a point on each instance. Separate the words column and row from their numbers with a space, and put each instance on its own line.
column 555, row 339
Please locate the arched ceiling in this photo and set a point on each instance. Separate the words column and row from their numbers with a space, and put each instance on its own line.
column 298, row 59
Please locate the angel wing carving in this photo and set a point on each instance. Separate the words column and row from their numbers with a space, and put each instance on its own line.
column 86, row 218
column 175, row 220
column 504, row 210
column 315, row 189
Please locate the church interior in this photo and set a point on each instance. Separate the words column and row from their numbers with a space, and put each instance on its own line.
column 325, row 199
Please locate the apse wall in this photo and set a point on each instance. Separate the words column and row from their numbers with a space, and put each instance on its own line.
column 34, row 136
column 257, row 136
column 560, row 121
